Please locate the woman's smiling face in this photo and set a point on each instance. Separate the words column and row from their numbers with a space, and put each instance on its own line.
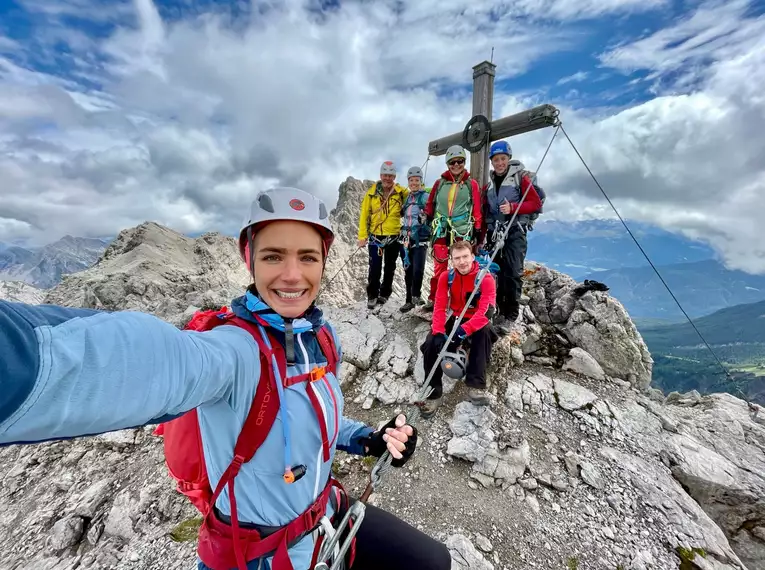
column 288, row 265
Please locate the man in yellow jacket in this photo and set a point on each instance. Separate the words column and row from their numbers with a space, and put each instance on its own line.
column 379, row 227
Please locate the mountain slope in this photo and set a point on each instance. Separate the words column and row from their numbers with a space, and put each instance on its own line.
column 43, row 267
column 155, row 269
column 736, row 335
column 581, row 248
column 743, row 323
column 20, row 292
column 701, row 287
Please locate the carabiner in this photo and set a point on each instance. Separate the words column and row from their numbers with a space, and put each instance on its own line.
column 356, row 512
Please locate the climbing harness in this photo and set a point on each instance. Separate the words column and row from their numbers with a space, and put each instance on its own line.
column 384, row 463
column 382, row 243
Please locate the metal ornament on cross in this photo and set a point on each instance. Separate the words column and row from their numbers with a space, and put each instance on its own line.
column 477, row 133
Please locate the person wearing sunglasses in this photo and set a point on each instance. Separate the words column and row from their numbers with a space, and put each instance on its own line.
column 454, row 212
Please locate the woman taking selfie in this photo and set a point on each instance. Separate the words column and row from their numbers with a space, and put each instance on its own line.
column 248, row 400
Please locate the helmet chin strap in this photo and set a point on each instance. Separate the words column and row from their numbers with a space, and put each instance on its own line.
column 251, row 246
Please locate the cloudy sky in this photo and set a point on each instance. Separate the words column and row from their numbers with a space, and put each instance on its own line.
column 115, row 112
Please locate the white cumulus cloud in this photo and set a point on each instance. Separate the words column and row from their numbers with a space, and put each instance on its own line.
column 180, row 116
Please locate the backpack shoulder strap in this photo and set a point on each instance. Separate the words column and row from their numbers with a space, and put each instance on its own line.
column 265, row 404
column 475, row 188
column 451, row 277
column 327, row 343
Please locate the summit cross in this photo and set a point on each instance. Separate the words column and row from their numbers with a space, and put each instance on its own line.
column 481, row 131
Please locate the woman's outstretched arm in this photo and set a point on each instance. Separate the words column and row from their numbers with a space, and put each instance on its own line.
column 70, row 372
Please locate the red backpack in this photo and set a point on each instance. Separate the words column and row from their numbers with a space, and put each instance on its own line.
column 223, row 546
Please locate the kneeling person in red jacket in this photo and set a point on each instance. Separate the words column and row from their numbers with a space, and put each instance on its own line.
column 474, row 329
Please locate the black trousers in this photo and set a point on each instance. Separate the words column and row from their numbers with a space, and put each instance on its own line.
column 385, row 542
column 414, row 274
column 379, row 256
column 478, row 358
column 510, row 278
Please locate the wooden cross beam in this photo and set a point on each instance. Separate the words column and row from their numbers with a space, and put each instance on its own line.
column 519, row 123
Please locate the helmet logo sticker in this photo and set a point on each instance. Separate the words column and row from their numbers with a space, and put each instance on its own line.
column 296, row 204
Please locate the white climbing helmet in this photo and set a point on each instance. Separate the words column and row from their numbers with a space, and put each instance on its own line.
column 284, row 203
column 455, row 151
column 414, row 171
column 388, row 168
column 454, row 364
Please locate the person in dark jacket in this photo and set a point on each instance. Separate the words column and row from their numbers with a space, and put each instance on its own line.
column 475, row 328
column 507, row 182
column 415, row 233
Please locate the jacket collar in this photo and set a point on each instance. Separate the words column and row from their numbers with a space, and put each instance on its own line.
column 376, row 188
column 252, row 308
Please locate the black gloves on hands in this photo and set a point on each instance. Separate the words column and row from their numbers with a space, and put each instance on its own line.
column 459, row 336
column 377, row 446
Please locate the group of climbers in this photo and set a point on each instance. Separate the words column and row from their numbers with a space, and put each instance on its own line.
column 458, row 219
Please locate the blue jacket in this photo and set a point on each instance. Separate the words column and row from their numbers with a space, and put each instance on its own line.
column 510, row 190
column 71, row 372
column 419, row 234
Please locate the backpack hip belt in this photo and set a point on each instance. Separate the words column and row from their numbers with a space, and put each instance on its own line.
column 224, row 546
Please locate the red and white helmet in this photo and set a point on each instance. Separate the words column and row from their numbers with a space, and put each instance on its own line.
column 388, row 167
column 285, row 203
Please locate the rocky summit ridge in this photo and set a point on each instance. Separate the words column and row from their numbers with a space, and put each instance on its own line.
column 576, row 463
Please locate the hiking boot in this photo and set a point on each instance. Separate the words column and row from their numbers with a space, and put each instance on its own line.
column 479, row 397
column 428, row 307
column 371, row 303
column 382, row 300
column 417, row 301
column 429, row 408
column 406, row 307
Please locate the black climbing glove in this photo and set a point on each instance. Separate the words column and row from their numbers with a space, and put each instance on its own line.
column 377, row 446
column 459, row 336
column 439, row 340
